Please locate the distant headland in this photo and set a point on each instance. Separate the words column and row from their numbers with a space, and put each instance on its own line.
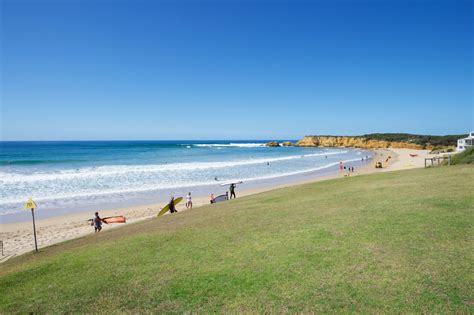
column 376, row 141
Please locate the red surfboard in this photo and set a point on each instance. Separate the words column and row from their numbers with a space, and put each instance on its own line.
column 117, row 219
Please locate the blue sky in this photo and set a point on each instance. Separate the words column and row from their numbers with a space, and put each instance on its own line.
column 109, row 69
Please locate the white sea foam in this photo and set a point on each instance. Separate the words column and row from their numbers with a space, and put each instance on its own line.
column 91, row 193
column 63, row 188
column 293, row 173
column 238, row 145
column 114, row 170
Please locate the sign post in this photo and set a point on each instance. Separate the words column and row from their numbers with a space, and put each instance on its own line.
column 30, row 204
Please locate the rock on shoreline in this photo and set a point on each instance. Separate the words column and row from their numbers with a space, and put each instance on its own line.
column 272, row 144
column 276, row 144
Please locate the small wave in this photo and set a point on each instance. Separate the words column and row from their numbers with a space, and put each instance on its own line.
column 293, row 173
column 154, row 187
column 35, row 162
column 237, row 145
column 104, row 171
column 107, row 192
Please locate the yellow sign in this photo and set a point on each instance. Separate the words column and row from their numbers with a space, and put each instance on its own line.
column 30, row 204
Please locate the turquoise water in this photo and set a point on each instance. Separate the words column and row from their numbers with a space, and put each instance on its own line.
column 66, row 175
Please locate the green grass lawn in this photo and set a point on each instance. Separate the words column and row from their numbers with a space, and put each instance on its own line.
column 390, row 242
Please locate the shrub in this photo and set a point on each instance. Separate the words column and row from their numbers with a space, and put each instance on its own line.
column 465, row 157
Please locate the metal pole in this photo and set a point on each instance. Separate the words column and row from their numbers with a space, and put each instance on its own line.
column 34, row 228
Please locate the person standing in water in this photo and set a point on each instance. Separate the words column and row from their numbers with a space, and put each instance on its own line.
column 97, row 222
column 232, row 190
column 171, row 206
column 189, row 202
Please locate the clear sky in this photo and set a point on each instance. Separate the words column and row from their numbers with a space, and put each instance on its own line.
column 108, row 69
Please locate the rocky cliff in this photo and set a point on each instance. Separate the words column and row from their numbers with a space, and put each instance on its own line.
column 355, row 142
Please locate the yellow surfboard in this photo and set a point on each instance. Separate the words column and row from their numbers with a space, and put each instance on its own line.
column 167, row 207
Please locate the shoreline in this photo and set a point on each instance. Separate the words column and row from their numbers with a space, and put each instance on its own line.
column 17, row 236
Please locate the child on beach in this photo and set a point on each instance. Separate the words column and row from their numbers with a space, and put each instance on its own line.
column 189, row 202
column 211, row 198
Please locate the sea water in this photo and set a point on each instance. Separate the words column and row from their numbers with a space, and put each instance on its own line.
column 69, row 176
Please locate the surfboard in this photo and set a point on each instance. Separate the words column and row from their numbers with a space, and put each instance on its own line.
column 220, row 198
column 167, row 207
column 116, row 219
column 229, row 183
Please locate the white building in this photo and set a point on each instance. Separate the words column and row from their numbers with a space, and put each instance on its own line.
column 463, row 144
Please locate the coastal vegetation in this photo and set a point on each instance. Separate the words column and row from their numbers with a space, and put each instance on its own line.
column 465, row 157
column 389, row 242
column 382, row 141
column 422, row 140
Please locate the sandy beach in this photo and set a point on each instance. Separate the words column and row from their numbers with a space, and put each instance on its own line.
column 18, row 239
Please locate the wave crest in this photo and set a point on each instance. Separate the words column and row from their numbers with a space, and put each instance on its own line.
column 113, row 170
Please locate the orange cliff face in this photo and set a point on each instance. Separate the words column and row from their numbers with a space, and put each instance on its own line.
column 355, row 142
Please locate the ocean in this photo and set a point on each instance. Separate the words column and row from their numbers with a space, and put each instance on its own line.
column 82, row 175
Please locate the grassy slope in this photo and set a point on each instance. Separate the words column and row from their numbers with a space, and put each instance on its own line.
column 394, row 241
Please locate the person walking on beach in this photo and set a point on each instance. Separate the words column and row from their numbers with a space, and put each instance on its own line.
column 97, row 222
column 340, row 166
column 232, row 190
column 211, row 198
column 171, row 206
column 189, row 202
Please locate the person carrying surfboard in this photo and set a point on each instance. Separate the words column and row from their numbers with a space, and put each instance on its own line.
column 171, row 206
column 97, row 222
column 232, row 190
